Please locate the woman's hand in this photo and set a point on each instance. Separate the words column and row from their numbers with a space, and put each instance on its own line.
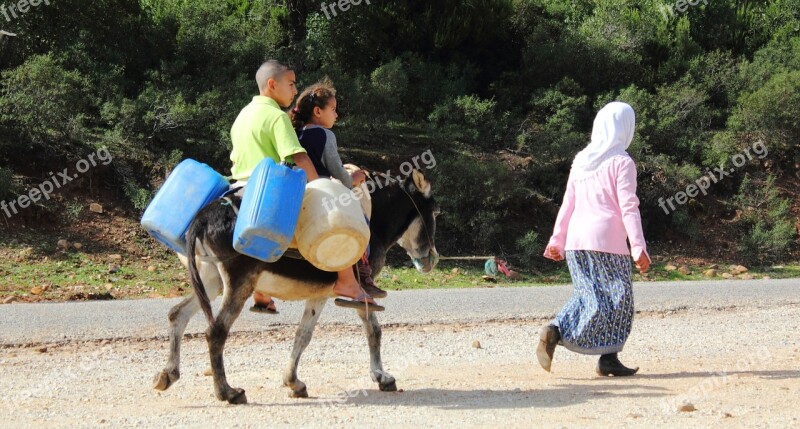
column 359, row 177
column 643, row 263
column 553, row 253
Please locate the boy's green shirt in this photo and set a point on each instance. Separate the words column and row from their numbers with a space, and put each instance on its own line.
column 261, row 130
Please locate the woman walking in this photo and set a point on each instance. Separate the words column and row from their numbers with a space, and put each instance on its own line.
column 600, row 210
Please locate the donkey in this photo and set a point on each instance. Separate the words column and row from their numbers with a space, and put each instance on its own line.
column 404, row 212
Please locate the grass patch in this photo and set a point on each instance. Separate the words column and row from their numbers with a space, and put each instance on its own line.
column 31, row 271
column 450, row 275
column 459, row 275
column 73, row 275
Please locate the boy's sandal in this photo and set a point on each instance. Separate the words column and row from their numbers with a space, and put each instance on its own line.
column 362, row 301
column 269, row 308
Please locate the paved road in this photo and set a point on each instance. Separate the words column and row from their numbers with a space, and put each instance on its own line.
column 34, row 323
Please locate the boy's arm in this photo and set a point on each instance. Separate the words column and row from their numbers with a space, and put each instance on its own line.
column 289, row 148
column 304, row 162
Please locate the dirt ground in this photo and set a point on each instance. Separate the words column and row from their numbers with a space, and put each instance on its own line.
column 733, row 368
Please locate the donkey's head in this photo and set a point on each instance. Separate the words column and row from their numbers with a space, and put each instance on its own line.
column 417, row 238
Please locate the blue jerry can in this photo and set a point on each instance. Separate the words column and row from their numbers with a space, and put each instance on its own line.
column 269, row 211
column 189, row 187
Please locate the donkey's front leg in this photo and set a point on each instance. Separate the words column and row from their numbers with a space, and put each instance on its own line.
column 301, row 339
column 233, row 301
column 373, row 329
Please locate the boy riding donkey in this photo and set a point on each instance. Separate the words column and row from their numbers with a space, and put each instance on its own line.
column 263, row 130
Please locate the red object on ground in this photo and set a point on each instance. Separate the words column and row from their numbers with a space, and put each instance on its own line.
column 501, row 265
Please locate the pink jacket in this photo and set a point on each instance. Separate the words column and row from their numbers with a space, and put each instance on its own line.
column 600, row 210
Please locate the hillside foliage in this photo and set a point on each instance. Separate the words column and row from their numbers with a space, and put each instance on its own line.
column 482, row 81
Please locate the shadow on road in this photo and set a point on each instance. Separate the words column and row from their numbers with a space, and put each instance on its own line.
column 550, row 397
column 453, row 399
column 772, row 375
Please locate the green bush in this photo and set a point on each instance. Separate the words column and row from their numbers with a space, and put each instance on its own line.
column 682, row 120
column 551, row 133
column 480, row 200
column 721, row 147
column 683, row 221
column 766, row 221
column 718, row 75
column 471, row 119
column 138, row 197
column 390, row 82
column 47, row 102
column 529, row 246
column 430, row 83
column 553, row 129
column 772, row 114
column 661, row 176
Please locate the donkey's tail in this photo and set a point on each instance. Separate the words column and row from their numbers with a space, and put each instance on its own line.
column 197, row 229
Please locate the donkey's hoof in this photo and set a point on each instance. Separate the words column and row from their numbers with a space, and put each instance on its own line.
column 238, row 398
column 163, row 380
column 388, row 387
column 302, row 393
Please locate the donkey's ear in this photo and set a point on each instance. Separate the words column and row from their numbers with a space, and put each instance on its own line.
column 422, row 184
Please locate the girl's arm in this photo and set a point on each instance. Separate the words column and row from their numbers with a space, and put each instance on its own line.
column 559, row 238
column 332, row 161
column 629, row 206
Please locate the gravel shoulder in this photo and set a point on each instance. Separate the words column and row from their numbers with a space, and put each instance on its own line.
column 737, row 367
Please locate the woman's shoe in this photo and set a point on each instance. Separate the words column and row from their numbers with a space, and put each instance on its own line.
column 548, row 340
column 610, row 365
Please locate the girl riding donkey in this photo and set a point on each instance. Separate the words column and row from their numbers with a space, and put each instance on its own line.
column 313, row 117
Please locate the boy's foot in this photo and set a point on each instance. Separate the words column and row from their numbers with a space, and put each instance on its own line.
column 267, row 308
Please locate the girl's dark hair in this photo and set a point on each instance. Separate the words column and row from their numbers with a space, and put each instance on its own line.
column 317, row 95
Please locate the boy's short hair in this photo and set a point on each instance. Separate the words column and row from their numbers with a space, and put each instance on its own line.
column 272, row 69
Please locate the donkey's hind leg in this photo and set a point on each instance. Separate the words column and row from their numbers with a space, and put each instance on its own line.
column 301, row 339
column 179, row 316
column 235, row 294
column 373, row 330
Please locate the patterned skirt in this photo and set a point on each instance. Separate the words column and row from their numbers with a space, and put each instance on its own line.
column 598, row 317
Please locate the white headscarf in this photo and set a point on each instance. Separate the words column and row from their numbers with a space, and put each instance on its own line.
column 612, row 133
